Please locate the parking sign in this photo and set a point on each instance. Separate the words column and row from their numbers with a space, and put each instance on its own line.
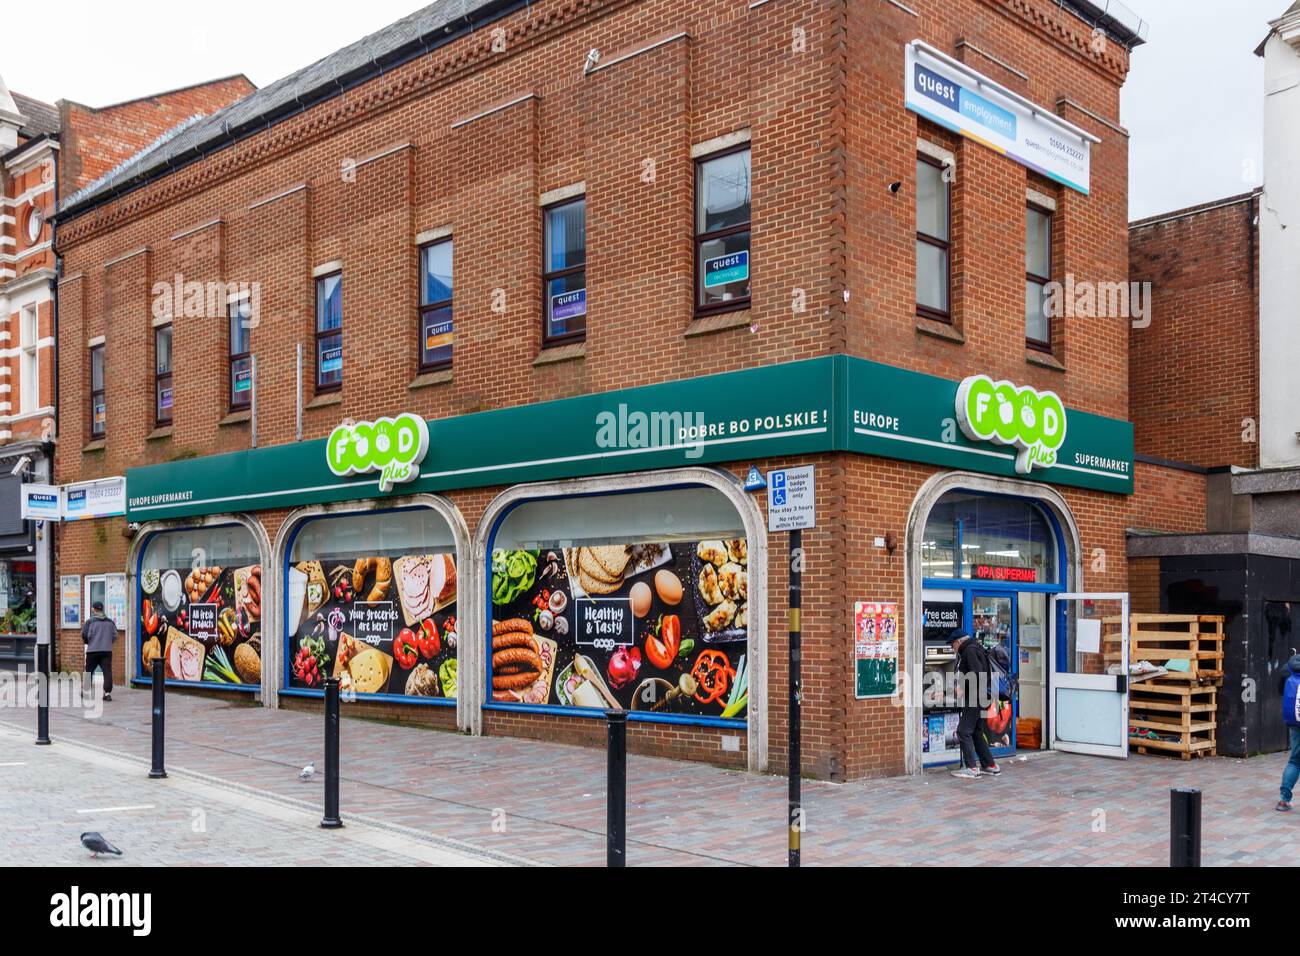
column 791, row 499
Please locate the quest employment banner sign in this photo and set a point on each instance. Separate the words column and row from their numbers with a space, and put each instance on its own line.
column 968, row 103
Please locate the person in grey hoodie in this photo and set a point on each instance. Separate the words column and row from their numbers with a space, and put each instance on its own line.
column 1291, row 775
column 98, row 634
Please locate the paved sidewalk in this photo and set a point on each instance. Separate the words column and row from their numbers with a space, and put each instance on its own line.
column 546, row 803
column 51, row 795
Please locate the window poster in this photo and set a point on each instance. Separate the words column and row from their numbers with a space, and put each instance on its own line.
column 205, row 623
column 70, row 602
column 384, row 626
column 115, row 599
column 875, row 648
column 648, row 628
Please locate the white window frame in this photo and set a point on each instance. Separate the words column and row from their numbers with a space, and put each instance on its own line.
column 29, row 375
column 86, row 598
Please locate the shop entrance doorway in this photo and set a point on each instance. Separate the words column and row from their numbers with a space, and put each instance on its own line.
column 993, row 624
column 1089, row 705
column 990, row 565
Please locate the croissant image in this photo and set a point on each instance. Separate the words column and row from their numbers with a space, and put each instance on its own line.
column 383, row 570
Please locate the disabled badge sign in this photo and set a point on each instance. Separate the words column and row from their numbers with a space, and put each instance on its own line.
column 1028, row 420
column 394, row 447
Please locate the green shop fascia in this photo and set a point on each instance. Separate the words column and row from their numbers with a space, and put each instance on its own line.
column 832, row 404
column 824, row 405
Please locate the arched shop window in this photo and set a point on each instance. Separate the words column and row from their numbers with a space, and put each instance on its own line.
column 370, row 598
column 636, row 601
column 987, row 538
column 201, row 606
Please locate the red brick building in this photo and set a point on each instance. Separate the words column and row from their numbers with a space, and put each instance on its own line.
column 609, row 256
column 47, row 151
column 1194, row 369
column 1195, row 393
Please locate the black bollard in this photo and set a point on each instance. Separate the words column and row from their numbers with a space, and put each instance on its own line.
column 156, row 772
column 331, row 820
column 1185, row 828
column 616, row 789
column 43, row 695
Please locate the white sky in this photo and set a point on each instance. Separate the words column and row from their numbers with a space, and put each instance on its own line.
column 1192, row 102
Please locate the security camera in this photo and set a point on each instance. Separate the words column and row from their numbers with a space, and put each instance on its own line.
column 21, row 465
column 895, row 187
column 593, row 57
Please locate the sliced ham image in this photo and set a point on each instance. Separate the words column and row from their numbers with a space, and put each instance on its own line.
column 443, row 578
column 185, row 659
column 425, row 582
column 417, row 591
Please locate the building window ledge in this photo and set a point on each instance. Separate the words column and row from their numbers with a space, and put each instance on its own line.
column 159, row 434
column 1044, row 360
column 940, row 330
column 708, row 324
column 326, row 400
column 98, row 444
column 561, row 353
column 427, row 379
column 236, row 418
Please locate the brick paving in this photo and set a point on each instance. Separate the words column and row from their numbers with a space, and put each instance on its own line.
column 544, row 802
column 51, row 795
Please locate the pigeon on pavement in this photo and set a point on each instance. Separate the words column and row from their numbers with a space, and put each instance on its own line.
column 307, row 772
column 96, row 844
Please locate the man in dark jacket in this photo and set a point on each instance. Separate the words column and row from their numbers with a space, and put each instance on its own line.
column 974, row 694
column 98, row 634
column 1291, row 775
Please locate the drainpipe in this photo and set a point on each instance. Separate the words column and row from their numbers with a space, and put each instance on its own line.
column 49, row 446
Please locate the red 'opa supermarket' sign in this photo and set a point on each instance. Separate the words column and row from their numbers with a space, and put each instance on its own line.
column 988, row 572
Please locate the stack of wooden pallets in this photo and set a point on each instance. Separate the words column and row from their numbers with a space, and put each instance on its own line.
column 1176, row 713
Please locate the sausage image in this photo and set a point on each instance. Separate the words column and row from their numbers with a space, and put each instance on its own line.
column 513, row 639
column 517, row 655
column 515, row 681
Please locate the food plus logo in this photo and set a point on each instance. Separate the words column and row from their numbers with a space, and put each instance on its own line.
column 394, row 447
column 1031, row 421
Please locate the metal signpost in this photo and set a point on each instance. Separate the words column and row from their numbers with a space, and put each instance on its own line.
column 791, row 506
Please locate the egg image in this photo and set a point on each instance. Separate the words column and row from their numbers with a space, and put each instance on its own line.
column 669, row 587
column 640, row 598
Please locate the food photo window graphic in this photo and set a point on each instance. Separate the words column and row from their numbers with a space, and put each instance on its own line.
column 200, row 600
column 653, row 628
column 371, row 600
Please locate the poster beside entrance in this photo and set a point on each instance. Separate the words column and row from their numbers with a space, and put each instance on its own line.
column 875, row 649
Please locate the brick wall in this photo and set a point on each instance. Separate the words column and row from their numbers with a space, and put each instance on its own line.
column 95, row 140
column 1194, row 378
column 818, row 86
column 1144, row 585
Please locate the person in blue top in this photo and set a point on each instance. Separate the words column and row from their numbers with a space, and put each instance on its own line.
column 1289, row 682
